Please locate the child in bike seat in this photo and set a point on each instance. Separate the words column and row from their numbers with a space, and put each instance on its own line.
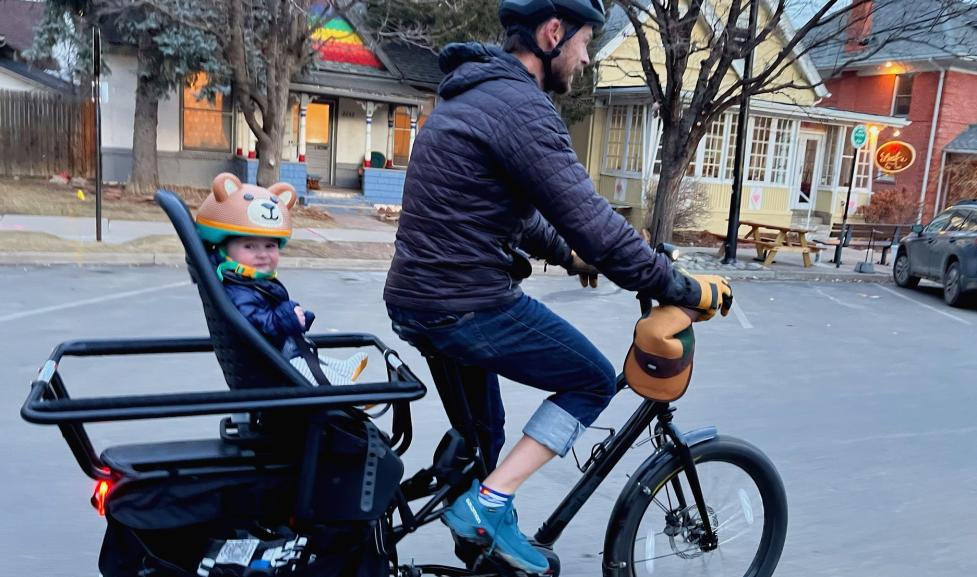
column 246, row 226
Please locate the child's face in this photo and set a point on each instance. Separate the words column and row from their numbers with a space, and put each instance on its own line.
column 256, row 252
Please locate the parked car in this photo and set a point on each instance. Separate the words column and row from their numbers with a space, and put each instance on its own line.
column 944, row 251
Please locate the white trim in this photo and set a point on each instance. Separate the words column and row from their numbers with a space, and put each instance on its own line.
column 929, row 149
column 795, row 181
column 813, row 113
column 615, row 43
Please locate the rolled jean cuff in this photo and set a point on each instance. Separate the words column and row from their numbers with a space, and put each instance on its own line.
column 554, row 428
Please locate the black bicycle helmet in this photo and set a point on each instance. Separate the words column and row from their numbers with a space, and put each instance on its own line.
column 533, row 12
column 522, row 17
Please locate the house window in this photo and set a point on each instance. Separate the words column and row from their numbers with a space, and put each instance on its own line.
column 206, row 125
column 623, row 151
column 731, row 145
column 759, row 148
column 402, row 134
column 830, row 150
column 780, row 154
column 903, row 95
column 318, row 123
column 712, row 145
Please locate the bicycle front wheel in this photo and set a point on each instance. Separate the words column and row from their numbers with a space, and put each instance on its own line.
column 661, row 529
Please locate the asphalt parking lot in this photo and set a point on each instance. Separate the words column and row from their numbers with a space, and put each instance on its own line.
column 858, row 393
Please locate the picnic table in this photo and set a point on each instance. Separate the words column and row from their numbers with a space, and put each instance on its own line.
column 768, row 239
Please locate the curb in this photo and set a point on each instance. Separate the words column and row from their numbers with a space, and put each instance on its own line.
column 311, row 263
column 173, row 259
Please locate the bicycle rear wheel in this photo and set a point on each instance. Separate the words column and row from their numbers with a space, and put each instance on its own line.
column 659, row 526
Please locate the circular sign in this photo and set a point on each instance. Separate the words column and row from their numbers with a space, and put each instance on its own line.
column 859, row 136
column 895, row 156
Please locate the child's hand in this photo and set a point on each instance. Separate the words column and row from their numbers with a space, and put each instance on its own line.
column 301, row 315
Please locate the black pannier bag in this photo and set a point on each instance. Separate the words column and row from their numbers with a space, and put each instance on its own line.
column 178, row 525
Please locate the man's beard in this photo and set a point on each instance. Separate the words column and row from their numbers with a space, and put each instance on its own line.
column 558, row 82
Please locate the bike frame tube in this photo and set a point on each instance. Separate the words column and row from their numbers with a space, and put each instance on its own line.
column 553, row 527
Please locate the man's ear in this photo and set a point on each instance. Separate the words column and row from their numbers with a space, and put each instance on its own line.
column 549, row 34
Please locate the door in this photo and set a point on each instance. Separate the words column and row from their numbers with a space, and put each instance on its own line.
column 957, row 230
column 318, row 140
column 922, row 248
column 807, row 171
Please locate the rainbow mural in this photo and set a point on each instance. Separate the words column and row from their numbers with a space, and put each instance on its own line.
column 337, row 41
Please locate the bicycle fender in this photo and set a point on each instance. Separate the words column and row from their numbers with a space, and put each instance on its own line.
column 664, row 458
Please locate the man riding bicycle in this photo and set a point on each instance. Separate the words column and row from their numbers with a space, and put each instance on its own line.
column 493, row 177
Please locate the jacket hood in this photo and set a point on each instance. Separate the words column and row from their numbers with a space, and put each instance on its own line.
column 470, row 64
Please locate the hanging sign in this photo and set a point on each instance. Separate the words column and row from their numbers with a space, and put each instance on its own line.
column 859, row 136
column 895, row 156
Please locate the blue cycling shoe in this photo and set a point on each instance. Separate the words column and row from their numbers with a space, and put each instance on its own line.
column 495, row 528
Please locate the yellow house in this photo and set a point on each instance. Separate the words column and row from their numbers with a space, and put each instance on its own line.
column 798, row 155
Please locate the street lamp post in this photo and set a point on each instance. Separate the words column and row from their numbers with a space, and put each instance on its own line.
column 732, row 231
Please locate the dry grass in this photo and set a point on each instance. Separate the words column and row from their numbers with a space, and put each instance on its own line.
column 40, row 197
column 22, row 241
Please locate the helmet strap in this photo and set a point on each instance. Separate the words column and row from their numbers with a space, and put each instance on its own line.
column 529, row 38
column 242, row 270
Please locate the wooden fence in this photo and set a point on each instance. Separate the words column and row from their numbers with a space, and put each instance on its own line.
column 42, row 134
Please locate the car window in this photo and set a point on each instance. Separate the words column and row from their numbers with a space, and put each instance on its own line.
column 957, row 221
column 971, row 224
column 938, row 224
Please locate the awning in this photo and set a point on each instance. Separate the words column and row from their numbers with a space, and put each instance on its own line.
column 639, row 94
column 965, row 143
column 375, row 89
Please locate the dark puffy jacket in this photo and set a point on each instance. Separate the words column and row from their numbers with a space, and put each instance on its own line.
column 266, row 305
column 492, row 168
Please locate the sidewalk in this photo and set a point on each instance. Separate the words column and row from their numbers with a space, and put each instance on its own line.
column 130, row 242
column 121, row 231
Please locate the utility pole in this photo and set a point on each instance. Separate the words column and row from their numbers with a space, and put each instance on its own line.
column 739, row 157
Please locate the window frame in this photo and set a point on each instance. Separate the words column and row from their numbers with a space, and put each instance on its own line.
column 900, row 79
column 626, row 141
column 228, row 111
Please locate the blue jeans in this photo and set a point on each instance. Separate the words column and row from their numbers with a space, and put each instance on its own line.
column 526, row 342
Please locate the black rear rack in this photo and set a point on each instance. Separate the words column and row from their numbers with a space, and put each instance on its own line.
column 50, row 404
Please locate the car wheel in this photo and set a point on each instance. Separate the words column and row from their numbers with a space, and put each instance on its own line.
column 902, row 274
column 952, row 293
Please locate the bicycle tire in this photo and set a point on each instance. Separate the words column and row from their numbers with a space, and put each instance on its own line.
column 659, row 471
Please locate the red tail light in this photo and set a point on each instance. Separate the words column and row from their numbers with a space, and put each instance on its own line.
column 98, row 499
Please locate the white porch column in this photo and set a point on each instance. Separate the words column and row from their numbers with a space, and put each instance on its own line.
column 303, row 110
column 391, row 110
column 252, row 144
column 413, row 130
column 370, row 108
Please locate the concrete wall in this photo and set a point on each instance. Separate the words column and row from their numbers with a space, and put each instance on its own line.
column 184, row 168
column 119, row 108
column 294, row 173
column 382, row 186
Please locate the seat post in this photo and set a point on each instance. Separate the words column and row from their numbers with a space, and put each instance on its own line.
column 448, row 379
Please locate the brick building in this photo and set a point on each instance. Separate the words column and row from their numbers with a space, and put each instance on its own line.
column 931, row 81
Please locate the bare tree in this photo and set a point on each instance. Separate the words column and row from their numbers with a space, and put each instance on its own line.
column 673, row 51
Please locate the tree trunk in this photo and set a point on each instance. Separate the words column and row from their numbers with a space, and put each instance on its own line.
column 663, row 208
column 145, row 171
column 273, row 126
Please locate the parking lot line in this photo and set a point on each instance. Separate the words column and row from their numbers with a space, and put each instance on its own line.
column 741, row 316
column 926, row 306
column 96, row 300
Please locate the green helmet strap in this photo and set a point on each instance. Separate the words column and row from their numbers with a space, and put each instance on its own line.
column 240, row 269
